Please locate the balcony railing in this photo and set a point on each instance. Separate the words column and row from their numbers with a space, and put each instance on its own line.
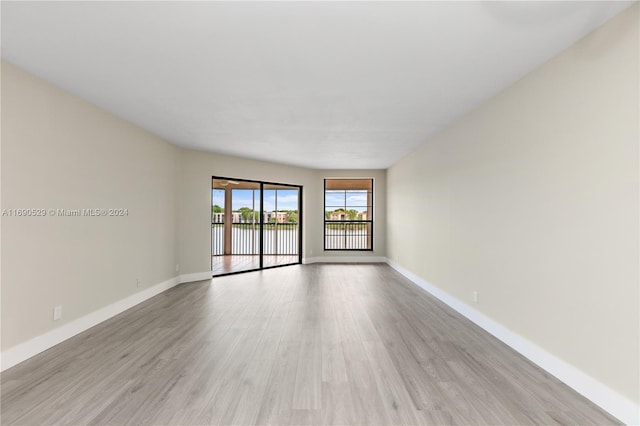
column 217, row 238
column 278, row 238
column 342, row 235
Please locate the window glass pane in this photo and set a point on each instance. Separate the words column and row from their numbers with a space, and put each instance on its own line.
column 334, row 198
column 360, row 199
column 217, row 206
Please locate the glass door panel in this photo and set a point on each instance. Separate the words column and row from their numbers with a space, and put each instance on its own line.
column 281, row 232
column 235, row 226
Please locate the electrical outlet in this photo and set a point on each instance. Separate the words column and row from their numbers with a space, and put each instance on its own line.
column 177, row 267
column 476, row 297
column 137, row 282
column 57, row 313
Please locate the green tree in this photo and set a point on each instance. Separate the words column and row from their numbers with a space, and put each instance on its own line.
column 248, row 214
column 216, row 209
column 352, row 214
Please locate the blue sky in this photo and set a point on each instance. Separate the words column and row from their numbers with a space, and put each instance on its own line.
column 352, row 200
column 287, row 199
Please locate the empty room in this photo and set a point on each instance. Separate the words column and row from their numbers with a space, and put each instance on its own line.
column 320, row 213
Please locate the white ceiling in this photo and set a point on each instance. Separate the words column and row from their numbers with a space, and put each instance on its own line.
column 316, row 84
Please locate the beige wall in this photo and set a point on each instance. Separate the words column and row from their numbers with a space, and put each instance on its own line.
column 60, row 152
column 195, row 203
column 532, row 200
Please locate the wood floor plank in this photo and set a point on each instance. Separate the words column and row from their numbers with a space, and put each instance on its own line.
column 333, row 362
column 275, row 407
column 396, row 398
column 255, row 379
column 338, row 405
column 307, row 394
column 302, row 345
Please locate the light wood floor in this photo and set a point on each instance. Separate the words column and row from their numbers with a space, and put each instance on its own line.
column 226, row 264
column 313, row 344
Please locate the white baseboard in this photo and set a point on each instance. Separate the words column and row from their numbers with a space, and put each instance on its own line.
column 344, row 259
column 609, row 400
column 26, row 350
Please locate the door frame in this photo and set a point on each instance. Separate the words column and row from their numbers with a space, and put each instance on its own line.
column 261, row 224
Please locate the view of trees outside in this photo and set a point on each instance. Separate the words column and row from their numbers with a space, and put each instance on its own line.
column 342, row 214
column 246, row 204
column 346, row 205
column 241, row 233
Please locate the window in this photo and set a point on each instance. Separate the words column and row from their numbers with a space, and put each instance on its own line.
column 348, row 214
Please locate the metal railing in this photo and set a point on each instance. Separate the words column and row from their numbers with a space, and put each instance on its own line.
column 278, row 238
column 281, row 238
column 217, row 238
column 341, row 235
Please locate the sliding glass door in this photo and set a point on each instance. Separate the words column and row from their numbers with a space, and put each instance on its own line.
column 254, row 225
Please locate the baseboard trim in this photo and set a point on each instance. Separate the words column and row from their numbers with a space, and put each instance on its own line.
column 32, row 347
column 344, row 259
column 197, row 276
column 609, row 400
